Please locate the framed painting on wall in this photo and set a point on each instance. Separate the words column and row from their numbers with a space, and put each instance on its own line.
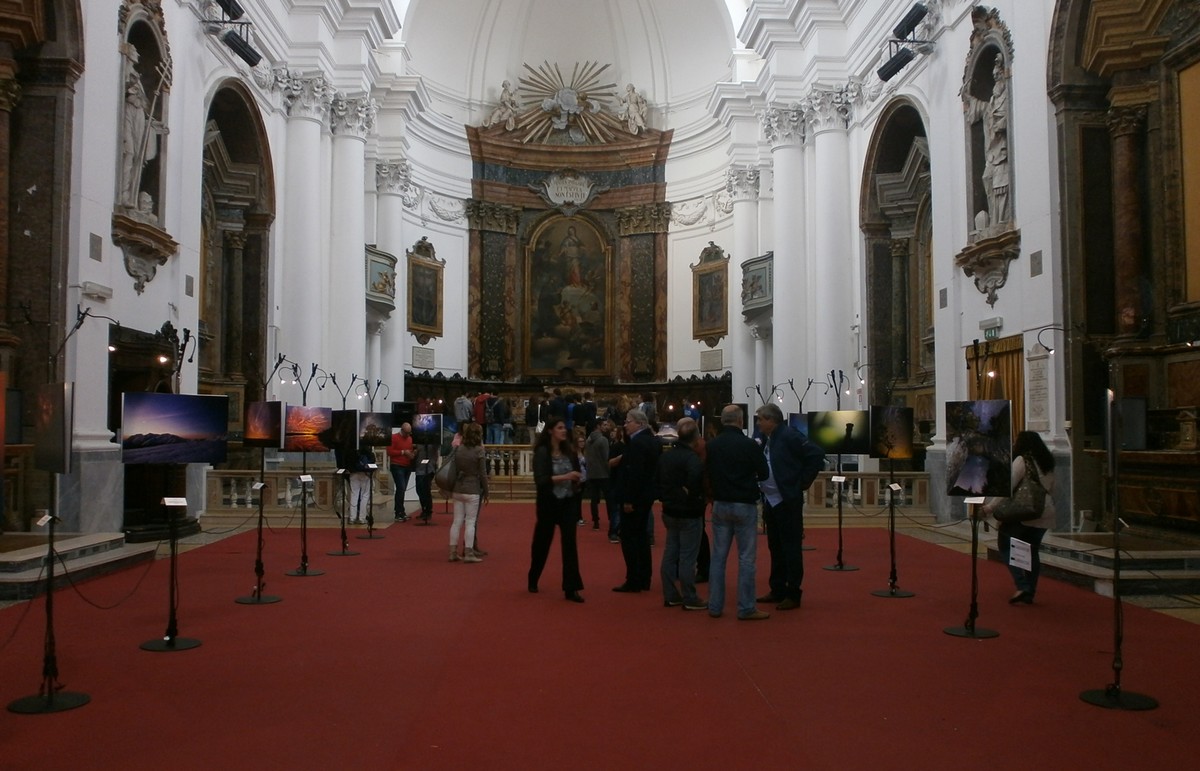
column 425, row 274
column 568, row 309
column 710, row 296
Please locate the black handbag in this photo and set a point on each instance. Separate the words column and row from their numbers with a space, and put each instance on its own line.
column 1028, row 501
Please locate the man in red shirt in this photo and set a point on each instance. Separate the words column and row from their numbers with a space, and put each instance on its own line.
column 400, row 463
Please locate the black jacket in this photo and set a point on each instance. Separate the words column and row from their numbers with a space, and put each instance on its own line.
column 636, row 472
column 681, row 482
column 736, row 465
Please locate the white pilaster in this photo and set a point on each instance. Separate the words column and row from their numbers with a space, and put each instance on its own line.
column 391, row 179
column 785, row 129
column 742, row 182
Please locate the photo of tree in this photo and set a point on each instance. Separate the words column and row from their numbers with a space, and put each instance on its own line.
column 847, row 432
column 979, row 448
column 892, row 432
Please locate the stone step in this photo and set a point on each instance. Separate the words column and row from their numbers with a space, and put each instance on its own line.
column 23, row 574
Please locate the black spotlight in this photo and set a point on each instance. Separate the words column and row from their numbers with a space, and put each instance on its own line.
column 232, row 10
column 239, row 46
column 906, row 25
column 899, row 61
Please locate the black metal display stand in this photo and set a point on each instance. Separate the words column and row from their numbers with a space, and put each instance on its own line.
column 893, row 589
column 256, row 596
column 839, row 565
column 170, row 640
column 344, row 479
column 50, row 696
column 969, row 629
column 371, row 534
column 305, row 480
column 1112, row 696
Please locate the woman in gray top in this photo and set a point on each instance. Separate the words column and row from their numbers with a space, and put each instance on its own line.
column 470, row 488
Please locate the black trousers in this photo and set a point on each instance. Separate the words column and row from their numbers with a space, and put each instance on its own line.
column 785, row 540
column 635, row 547
column 551, row 513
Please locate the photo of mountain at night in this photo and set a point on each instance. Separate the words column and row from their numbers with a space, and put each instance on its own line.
column 264, row 424
column 303, row 427
column 173, row 428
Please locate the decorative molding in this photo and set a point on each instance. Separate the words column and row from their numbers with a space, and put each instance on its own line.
column 500, row 218
column 832, row 107
column 567, row 190
column 758, row 284
column 1120, row 35
column 1123, row 121
column 987, row 262
column 304, row 96
column 392, row 177
column 447, row 209
column 646, row 218
column 144, row 246
column 10, row 93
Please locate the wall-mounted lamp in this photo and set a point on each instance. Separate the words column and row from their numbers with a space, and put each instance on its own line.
column 1044, row 330
column 902, row 44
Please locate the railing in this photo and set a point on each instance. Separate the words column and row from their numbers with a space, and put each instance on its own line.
column 869, row 488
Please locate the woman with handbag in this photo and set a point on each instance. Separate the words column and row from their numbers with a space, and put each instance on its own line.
column 470, row 489
column 1028, row 513
column 556, row 474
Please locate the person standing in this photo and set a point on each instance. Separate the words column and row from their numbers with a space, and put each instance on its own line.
column 464, row 410
column 470, row 489
column 616, row 449
column 424, row 467
column 356, row 465
column 401, row 454
column 794, row 463
column 735, row 467
column 596, row 453
column 1032, row 463
column 637, row 490
column 556, row 475
column 681, row 489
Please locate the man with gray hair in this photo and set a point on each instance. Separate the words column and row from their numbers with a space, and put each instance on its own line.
column 636, row 489
column 681, row 489
column 735, row 467
column 794, row 463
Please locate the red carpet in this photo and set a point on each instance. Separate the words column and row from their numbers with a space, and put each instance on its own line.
column 397, row 659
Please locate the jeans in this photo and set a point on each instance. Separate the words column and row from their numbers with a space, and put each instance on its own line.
column 358, row 493
column 785, row 539
column 496, row 434
column 614, row 512
column 678, row 570
column 466, row 511
column 1025, row 580
column 400, row 476
column 731, row 521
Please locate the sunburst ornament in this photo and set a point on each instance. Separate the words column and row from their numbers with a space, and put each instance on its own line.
column 576, row 111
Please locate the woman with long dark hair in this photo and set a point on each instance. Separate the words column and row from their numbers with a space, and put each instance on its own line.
column 556, row 475
column 470, row 489
column 1029, row 450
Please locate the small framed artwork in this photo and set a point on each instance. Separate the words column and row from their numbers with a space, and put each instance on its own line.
column 425, row 275
column 710, row 296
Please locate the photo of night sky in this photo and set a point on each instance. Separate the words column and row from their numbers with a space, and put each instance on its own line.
column 979, row 448
column 892, row 432
column 173, row 428
column 264, row 424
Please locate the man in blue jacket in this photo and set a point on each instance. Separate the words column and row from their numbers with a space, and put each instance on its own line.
column 794, row 463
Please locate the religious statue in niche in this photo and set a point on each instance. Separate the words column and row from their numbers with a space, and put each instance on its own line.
column 567, row 308
column 425, row 274
column 987, row 113
column 142, row 130
column 710, row 296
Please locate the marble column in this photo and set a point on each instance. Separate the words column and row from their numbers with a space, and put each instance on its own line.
column 835, row 249
column 760, row 331
column 375, row 354
column 1127, row 125
column 307, row 100
column 235, row 244
column 10, row 94
column 742, row 183
column 351, row 119
column 784, row 128
column 391, row 181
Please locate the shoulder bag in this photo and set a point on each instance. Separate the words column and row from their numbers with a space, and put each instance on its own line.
column 446, row 475
column 1028, row 501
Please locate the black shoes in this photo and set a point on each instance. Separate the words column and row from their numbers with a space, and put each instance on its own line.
column 574, row 596
column 532, row 588
column 673, row 603
column 769, row 598
column 627, row 589
column 1022, row 597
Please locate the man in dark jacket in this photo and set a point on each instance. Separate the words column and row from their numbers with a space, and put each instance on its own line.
column 681, row 489
column 794, row 463
column 735, row 467
column 637, row 489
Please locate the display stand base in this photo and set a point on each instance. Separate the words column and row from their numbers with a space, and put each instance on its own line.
column 370, row 536
column 305, row 572
column 52, row 702
column 343, row 553
column 258, row 599
column 894, row 593
column 978, row 633
column 840, row 568
column 1114, row 698
column 165, row 645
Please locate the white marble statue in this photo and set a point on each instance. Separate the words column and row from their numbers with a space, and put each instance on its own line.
column 506, row 110
column 995, row 177
column 633, row 110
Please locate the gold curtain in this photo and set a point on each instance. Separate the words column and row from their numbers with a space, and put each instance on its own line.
column 1005, row 359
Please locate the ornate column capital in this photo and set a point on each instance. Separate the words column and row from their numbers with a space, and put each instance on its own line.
column 784, row 126
column 760, row 329
column 899, row 247
column 353, row 116
column 10, row 93
column 304, row 96
column 235, row 239
column 832, row 107
column 496, row 217
column 392, row 177
column 1124, row 121
column 742, row 183
column 647, row 218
